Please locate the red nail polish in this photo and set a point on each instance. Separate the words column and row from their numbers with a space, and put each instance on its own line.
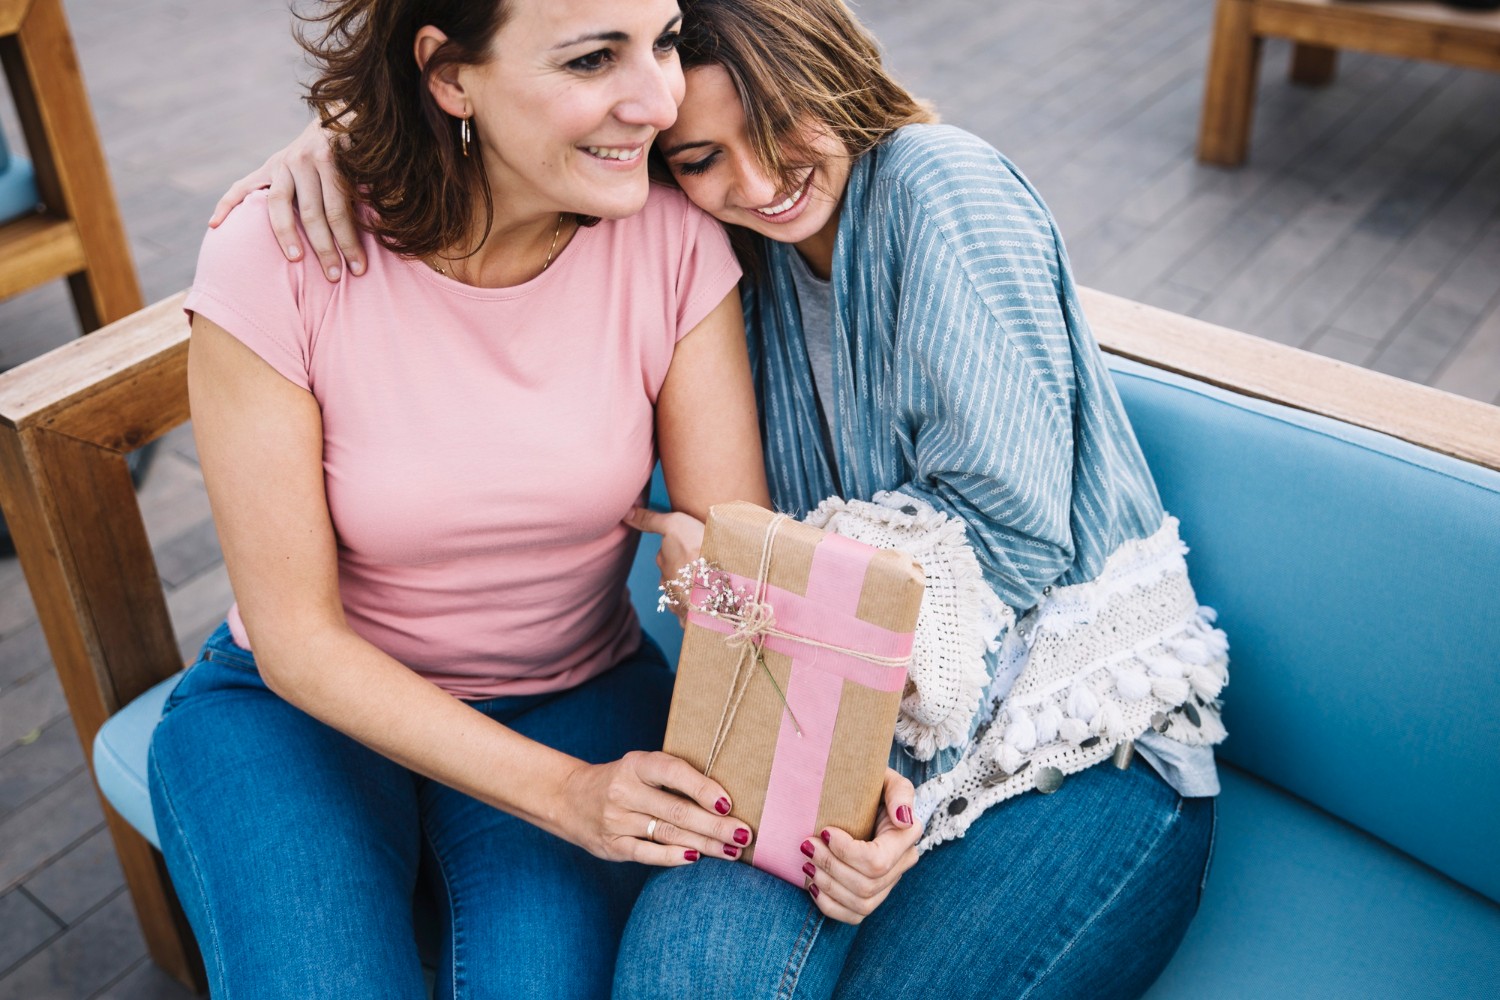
column 731, row 850
column 814, row 890
column 742, row 836
column 807, row 848
column 809, row 869
column 824, row 835
column 903, row 813
column 722, row 806
column 690, row 854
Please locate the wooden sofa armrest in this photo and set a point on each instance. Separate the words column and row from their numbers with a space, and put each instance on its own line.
column 67, row 421
column 1431, row 418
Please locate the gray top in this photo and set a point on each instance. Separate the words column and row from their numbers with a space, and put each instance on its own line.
column 815, row 298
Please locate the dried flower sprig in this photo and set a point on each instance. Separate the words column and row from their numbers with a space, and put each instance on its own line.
column 722, row 599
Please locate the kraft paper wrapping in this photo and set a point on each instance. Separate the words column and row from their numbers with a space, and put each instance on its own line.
column 760, row 737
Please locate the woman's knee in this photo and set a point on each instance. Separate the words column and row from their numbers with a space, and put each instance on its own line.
column 719, row 929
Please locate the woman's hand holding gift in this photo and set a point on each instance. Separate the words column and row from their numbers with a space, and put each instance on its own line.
column 650, row 807
column 849, row 878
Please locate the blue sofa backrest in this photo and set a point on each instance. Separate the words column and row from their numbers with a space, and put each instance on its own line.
column 1358, row 578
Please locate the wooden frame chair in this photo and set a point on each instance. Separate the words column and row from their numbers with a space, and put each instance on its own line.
column 68, row 419
column 78, row 235
column 1319, row 28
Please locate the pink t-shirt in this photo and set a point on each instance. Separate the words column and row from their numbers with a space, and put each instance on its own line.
column 480, row 445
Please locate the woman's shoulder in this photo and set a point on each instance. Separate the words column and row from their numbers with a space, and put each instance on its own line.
column 943, row 164
column 243, row 251
column 668, row 214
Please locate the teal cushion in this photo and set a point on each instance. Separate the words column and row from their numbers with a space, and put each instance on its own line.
column 120, row 749
column 1356, row 576
column 1302, row 905
column 18, row 195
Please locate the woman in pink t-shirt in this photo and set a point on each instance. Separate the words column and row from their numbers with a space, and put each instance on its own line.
column 419, row 480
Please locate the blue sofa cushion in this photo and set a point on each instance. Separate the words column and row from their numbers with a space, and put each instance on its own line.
column 120, row 749
column 1357, row 577
column 1300, row 904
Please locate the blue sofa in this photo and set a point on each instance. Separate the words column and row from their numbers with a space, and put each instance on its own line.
column 1357, row 574
column 1358, row 846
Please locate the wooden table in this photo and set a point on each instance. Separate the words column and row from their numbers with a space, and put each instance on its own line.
column 1319, row 28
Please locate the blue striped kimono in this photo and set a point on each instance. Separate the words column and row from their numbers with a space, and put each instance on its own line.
column 964, row 373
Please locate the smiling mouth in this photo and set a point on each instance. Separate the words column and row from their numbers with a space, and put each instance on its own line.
column 615, row 152
column 781, row 208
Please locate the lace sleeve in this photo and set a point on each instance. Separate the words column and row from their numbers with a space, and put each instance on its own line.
column 960, row 622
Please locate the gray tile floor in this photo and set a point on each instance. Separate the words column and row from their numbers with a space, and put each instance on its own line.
column 1366, row 227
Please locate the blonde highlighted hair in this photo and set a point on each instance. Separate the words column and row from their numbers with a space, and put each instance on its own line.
column 795, row 62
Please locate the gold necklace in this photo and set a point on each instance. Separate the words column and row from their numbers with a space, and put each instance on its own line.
column 550, row 250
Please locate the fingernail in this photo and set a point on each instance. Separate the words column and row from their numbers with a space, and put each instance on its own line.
column 809, row 869
column 690, row 854
column 355, row 267
column 807, row 848
column 293, row 253
column 824, row 835
column 903, row 813
column 333, row 274
column 731, row 850
column 742, row 836
column 814, row 890
column 722, row 806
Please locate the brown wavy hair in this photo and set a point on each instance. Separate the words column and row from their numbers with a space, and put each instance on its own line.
column 795, row 62
column 397, row 151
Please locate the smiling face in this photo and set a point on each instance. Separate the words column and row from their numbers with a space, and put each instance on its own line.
column 570, row 99
column 710, row 154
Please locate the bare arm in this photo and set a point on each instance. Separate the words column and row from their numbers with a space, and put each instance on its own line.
column 708, row 434
column 260, row 440
column 706, row 425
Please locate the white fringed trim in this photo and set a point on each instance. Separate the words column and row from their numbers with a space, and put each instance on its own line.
column 1103, row 662
column 960, row 620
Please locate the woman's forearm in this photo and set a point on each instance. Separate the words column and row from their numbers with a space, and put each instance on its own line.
column 340, row 679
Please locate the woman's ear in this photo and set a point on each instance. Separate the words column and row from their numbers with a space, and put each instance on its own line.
column 444, row 84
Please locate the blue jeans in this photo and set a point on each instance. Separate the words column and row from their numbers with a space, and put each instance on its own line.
column 1083, row 893
column 297, row 852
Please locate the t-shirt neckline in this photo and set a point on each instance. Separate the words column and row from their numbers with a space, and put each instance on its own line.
column 456, row 287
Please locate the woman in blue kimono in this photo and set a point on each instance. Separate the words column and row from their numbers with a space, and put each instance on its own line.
column 927, row 381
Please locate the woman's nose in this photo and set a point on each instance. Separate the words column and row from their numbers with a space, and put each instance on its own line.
column 757, row 188
column 655, row 89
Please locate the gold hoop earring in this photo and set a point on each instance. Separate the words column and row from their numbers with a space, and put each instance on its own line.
column 463, row 134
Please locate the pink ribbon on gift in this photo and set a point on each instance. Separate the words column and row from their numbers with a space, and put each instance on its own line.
column 825, row 615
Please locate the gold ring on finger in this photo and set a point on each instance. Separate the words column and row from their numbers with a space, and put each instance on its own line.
column 651, row 828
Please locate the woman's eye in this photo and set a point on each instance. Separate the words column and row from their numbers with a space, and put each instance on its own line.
column 591, row 62
column 668, row 41
column 697, row 166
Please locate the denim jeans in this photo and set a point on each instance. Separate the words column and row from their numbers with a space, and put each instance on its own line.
column 297, row 851
column 1083, row 893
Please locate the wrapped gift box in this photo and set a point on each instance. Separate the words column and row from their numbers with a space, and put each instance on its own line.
column 793, row 712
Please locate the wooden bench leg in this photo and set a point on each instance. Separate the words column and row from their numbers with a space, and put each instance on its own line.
column 1229, row 90
column 1313, row 65
column 77, row 526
